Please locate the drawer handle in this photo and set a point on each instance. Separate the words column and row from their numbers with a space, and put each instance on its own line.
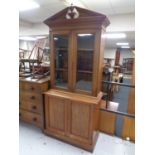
column 32, row 88
column 34, row 119
column 32, row 97
column 34, row 107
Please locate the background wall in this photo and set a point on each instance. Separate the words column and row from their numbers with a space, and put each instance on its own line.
column 26, row 29
column 124, row 53
column 26, row 45
column 109, row 53
column 123, row 22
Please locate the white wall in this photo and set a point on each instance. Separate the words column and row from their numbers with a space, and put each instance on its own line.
column 110, row 53
column 26, row 45
column 26, row 29
column 125, row 22
column 119, row 23
column 126, row 54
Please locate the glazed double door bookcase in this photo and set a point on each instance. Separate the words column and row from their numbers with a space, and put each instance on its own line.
column 75, row 56
column 72, row 103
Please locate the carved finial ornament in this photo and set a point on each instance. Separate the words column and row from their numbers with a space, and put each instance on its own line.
column 72, row 12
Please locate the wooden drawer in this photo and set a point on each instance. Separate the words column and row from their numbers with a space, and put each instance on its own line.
column 30, row 96
column 33, row 87
column 29, row 117
column 31, row 106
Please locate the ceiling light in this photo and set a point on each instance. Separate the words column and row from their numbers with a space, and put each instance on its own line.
column 114, row 35
column 27, row 38
column 125, row 47
column 25, row 5
column 55, row 38
column 83, row 35
column 41, row 37
column 123, row 44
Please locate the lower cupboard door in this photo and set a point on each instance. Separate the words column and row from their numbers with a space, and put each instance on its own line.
column 55, row 115
column 80, row 116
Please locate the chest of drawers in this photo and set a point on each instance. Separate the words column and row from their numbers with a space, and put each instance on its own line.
column 31, row 100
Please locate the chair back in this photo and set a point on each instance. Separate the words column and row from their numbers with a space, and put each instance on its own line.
column 37, row 50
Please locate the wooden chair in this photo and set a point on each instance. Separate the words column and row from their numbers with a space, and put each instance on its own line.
column 35, row 58
column 36, row 55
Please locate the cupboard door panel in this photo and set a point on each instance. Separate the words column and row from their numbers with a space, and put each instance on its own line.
column 56, row 115
column 79, row 120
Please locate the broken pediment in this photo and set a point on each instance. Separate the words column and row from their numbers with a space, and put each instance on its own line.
column 76, row 16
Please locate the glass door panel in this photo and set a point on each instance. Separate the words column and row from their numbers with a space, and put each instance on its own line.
column 85, row 54
column 61, row 60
